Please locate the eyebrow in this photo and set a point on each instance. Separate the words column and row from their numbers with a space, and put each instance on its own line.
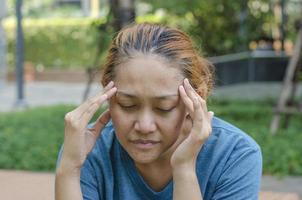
column 162, row 97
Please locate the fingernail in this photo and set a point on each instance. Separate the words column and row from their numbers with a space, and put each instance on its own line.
column 110, row 83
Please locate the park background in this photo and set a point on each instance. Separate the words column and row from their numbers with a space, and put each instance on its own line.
column 65, row 39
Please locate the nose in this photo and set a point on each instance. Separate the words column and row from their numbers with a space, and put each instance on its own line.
column 145, row 123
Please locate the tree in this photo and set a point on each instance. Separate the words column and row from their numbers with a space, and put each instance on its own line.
column 123, row 12
column 221, row 26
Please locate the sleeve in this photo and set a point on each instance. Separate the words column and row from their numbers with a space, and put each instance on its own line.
column 241, row 176
column 89, row 184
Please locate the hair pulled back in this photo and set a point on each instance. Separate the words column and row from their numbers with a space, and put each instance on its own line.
column 172, row 44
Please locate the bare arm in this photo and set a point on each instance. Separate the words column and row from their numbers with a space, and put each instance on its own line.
column 186, row 185
column 78, row 142
column 184, row 158
column 67, row 185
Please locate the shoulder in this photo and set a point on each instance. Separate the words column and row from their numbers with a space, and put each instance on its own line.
column 232, row 160
column 227, row 135
column 227, row 150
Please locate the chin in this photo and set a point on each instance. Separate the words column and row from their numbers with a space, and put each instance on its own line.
column 143, row 158
column 144, row 161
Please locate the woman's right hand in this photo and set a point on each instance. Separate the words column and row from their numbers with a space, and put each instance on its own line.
column 79, row 140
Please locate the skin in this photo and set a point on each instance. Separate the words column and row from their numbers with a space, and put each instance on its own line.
column 147, row 107
column 78, row 142
column 159, row 120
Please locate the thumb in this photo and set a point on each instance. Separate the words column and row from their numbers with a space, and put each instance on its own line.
column 210, row 115
column 101, row 122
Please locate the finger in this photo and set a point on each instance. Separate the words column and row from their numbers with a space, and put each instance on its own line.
column 89, row 112
column 100, row 123
column 189, row 89
column 98, row 99
column 187, row 101
column 192, row 94
column 203, row 104
column 210, row 115
column 108, row 86
column 201, row 128
column 198, row 117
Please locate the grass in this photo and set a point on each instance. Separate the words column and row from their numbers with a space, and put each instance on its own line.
column 30, row 139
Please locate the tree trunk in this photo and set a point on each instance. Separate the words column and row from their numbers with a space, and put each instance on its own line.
column 123, row 12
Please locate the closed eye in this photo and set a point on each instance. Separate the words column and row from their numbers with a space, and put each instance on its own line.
column 127, row 107
column 165, row 110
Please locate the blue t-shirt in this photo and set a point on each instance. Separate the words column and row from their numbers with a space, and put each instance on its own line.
column 229, row 167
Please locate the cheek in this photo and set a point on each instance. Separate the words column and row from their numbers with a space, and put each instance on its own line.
column 174, row 123
column 118, row 118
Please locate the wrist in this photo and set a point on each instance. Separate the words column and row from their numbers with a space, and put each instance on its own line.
column 184, row 166
column 68, row 171
column 183, row 172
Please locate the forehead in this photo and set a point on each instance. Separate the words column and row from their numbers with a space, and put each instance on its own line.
column 148, row 74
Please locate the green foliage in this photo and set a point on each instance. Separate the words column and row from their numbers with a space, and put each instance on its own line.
column 31, row 139
column 45, row 8
column 59, row 43
column 219, row 26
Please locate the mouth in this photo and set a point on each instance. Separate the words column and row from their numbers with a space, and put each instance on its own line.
column 145, row 144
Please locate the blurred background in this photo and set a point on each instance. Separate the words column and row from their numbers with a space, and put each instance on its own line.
column 51, row 55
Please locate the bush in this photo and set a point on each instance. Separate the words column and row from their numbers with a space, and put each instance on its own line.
column 31, row 139
column 58, row 43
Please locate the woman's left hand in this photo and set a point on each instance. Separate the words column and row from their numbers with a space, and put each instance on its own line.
column 185, row 155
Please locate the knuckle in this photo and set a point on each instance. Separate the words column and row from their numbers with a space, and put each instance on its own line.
column 70, row 121
column 68, row 117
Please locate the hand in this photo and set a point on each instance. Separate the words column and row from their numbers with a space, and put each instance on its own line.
column 185, row 155
column 79, row 140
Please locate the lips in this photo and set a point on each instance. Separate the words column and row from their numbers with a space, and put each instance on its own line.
column 145, row 144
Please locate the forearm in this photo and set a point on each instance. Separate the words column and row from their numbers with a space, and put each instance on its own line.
column 67, row 186
column 186, row 185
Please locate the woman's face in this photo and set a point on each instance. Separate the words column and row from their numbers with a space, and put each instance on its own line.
column 147, row 111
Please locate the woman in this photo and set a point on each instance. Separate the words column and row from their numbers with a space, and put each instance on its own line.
column 157, row 140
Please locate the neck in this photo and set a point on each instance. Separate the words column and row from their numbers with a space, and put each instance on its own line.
column 157, row 175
